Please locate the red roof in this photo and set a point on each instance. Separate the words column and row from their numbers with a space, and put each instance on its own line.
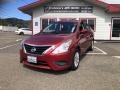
column 114, row 8
column 108, row 7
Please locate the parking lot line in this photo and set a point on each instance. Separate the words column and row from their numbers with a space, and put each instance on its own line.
column 102, row 52
column 95, row 41
column 19, row 40
column 118, row 57
column 96, row 54
column 8, row 46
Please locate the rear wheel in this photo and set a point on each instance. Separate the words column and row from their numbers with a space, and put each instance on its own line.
column 76, row 60
column 21, row 33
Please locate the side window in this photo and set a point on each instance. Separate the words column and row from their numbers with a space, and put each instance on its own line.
column 26, row 29
column 23, row 29
column 83, row 23
column 88, row 27
column 91, row 22
column 81, row 26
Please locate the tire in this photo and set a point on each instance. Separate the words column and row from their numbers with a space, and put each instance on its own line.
column 91, row 46
column 76, row 60
column 21, row 33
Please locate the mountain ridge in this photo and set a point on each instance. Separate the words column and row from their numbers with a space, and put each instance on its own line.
column 15, row 22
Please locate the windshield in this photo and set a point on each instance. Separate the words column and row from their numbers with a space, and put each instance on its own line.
column 60, row 28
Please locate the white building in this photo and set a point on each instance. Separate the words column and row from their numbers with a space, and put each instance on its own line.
column 104, row 18
column 8, row 28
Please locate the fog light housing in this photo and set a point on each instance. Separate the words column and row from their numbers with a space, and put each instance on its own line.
column 61, row 63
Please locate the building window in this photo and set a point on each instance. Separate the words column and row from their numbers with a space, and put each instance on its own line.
column 36, row 23
column 46, row 22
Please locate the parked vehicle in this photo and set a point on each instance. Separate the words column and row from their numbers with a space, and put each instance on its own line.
column 59, row 46
column 22, row 31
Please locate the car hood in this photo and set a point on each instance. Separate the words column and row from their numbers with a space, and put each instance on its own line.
column 47, row 39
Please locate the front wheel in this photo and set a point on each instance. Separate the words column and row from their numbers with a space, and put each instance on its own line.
column 76, row 60
column 21, row 33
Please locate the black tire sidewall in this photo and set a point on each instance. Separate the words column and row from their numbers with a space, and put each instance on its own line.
column 21, row 33
column 73, row 67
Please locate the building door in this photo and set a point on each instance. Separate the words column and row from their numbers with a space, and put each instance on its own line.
column 115, row 29
column 45, row 22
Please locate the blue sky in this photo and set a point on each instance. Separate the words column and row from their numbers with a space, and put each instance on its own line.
column 10, row 9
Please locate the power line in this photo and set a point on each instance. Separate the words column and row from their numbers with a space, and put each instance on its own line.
column 3, row 12
column 24, row 1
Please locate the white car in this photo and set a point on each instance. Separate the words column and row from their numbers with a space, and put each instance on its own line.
column 22, row 31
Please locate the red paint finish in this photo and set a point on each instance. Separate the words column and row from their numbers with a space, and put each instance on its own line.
column 51, row 61
column 80, row 40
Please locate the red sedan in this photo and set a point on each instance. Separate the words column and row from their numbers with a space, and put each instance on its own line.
column 59, row 46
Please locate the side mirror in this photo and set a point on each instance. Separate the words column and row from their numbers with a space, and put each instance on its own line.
column 83, row 31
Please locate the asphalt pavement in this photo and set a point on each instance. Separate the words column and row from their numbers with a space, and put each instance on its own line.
column 98, row 70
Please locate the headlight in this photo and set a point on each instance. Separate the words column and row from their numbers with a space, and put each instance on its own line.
column 63, row 47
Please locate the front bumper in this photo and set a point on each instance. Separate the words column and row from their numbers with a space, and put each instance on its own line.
column 49, row 61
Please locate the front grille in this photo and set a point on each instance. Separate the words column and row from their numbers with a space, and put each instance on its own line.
column 35, row 49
